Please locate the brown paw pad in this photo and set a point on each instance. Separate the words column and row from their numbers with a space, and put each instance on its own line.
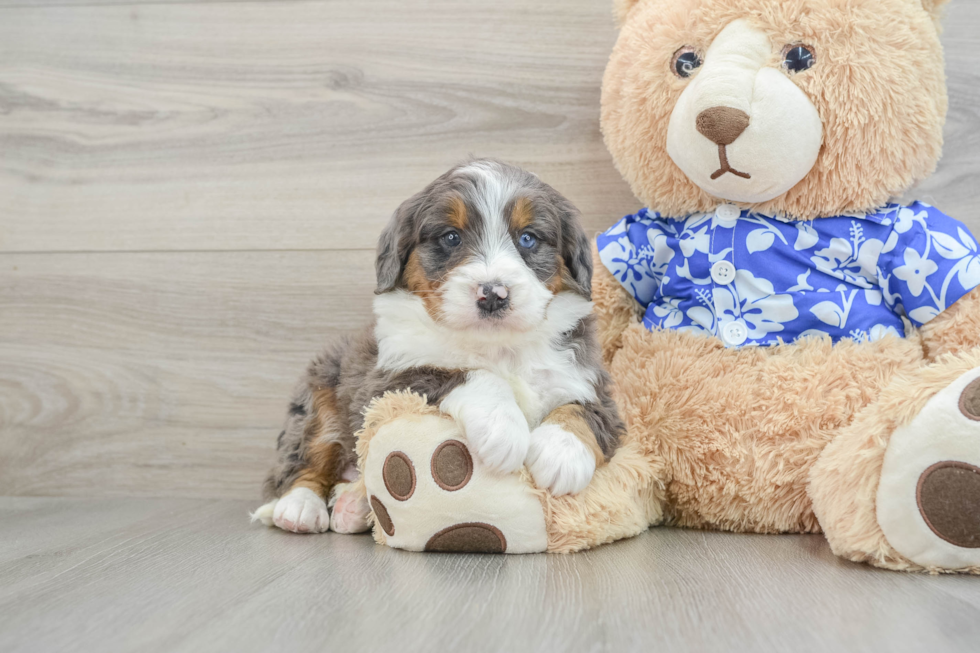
column 970, row 401
column 452, row 465
column 382, row 516
column 399, row 475
column 468, row 538
column 948, row 495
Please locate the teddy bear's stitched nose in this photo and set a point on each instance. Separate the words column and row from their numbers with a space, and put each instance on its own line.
column 722, row 125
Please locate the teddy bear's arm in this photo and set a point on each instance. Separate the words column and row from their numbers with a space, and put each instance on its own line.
column 615, row 308
column 954, row 330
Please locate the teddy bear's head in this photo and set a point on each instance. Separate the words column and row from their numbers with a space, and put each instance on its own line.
column 803, row 108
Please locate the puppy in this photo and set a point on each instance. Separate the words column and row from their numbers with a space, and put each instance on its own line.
column 483, row 306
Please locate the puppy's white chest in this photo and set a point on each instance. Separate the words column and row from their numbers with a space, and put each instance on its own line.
column 541, row 376
column 540, row 391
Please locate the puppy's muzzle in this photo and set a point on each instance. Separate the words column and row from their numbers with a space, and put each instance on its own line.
column 492, row 299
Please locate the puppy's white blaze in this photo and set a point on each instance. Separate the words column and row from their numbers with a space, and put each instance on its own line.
column 497, row 261
column 495, row 189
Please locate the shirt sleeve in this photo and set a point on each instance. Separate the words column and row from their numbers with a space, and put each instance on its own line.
column 635, row 251
column 929, row 261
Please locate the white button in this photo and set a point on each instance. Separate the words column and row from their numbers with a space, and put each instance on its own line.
column 735, row 333
column 728, row 212
column 723, row 273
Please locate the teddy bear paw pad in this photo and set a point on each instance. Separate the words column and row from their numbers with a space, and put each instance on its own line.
column 948, row 496
column 928, row 501
column 452, row 465
column 468, row 538
column 428, row 492
column 382, row 517
column 399, row 475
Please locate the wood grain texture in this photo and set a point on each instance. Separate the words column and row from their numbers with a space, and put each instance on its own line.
column 160, row 373
column 286, row 125
column 192, row 575
column 190, row 193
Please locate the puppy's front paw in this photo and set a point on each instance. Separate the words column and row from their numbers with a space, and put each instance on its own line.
column 499, row 436
column 558, row 461
column 350, row 511
column 301, row 510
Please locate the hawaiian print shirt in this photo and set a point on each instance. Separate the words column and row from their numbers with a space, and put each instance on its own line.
column 753, row 279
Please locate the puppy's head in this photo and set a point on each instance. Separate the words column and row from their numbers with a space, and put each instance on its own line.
column 486, row 246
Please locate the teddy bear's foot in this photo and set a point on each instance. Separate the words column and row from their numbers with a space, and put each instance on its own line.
column 928, row 499
column 429, row 492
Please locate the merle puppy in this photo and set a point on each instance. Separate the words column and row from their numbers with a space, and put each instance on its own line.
column 483, row 306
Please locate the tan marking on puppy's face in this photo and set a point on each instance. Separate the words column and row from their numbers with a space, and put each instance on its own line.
column 457, row 215
column 557, row 282
column 521, row 215
column 418, row 283
column 570, row 417
column 432, row 259
column 546, row 257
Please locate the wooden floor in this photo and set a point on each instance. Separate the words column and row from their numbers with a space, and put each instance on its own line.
column 153, row 575
column 190, row 194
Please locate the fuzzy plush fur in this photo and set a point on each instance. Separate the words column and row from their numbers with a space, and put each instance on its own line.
column 882, row 114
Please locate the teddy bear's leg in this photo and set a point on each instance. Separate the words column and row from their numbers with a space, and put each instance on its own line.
column 427, row 491
column 900, row 486
column 615, row 309
column 624, row 498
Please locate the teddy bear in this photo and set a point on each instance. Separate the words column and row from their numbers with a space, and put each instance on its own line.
column 794, row 349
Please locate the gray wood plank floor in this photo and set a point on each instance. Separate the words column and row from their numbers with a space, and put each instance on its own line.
column 192, row 575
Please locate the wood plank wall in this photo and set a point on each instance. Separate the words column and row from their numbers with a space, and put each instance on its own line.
column 190, row 193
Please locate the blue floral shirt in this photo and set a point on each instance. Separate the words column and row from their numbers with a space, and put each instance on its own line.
column 753, row 279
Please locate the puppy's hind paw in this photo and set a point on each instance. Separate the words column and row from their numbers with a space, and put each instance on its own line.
column 350, row 511
column 301, row 510
column 558, row 461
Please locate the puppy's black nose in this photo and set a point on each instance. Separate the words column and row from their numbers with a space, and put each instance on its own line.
column 492, row 298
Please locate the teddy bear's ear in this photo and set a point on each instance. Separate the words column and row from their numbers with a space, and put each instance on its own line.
column 622, row 8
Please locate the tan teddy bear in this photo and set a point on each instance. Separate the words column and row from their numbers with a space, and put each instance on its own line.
column 793, row 352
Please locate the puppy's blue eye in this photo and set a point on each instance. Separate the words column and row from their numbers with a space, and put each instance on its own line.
column 528, row 241
column 451, row 239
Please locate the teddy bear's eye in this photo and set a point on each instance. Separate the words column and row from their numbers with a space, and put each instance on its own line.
column 686, row 61
column 797, row 58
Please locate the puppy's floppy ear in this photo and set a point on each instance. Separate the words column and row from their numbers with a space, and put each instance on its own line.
column 576, row 251
column 395, row 244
